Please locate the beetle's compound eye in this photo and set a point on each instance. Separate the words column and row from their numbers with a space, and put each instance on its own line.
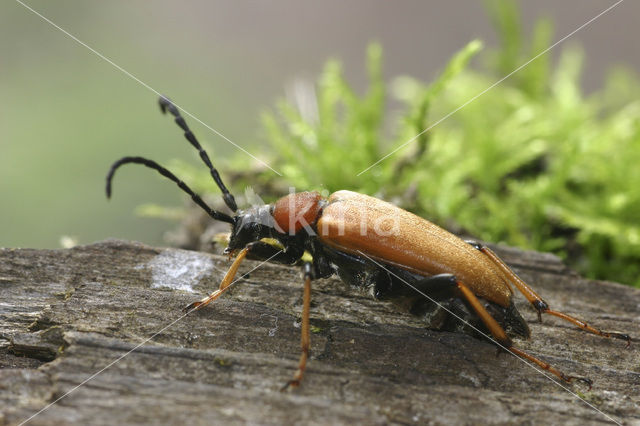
column 251, row 225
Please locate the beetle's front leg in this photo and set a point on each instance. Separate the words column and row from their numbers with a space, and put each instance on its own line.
column 224, row 285
column 305, row 339
column 263, row 250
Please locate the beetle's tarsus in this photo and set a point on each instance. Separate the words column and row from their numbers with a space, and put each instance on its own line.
column 584, row 326
column 290, row 384
column 584, row 380
column 191, row 307
column 618, row 335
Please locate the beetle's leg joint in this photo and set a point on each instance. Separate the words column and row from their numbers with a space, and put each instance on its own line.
column 541, row 306
column 504, row 343
column 307, row 270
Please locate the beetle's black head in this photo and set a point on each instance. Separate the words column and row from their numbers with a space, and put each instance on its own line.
column 251, row 225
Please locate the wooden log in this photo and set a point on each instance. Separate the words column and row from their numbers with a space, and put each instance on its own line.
column 114, row 308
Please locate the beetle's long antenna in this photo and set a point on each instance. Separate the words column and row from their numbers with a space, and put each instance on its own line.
column 167, row 105
column 166, row 173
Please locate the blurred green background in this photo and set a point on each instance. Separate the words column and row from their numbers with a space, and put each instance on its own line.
column 66, row 114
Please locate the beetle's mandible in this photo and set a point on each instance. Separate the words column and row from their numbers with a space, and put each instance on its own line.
column 344, row 234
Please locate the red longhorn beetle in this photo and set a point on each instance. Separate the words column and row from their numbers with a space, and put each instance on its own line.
column 325, row 236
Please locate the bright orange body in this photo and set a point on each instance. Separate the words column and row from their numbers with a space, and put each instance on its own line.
column 356, row 223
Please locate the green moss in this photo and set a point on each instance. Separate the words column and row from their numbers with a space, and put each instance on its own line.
column 533, row 162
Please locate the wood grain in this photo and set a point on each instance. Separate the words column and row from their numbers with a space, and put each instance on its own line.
column 66, row 314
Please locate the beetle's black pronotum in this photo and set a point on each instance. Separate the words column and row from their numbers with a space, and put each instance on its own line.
column 373, row 244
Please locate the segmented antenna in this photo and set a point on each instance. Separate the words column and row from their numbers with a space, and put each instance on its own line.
column 166, row 173
column 167, row 105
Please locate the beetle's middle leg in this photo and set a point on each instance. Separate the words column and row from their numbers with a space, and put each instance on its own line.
column 305, row 339
column 494, row 328
column 540, row 305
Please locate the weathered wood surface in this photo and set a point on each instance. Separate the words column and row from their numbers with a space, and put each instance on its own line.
column 67, row 314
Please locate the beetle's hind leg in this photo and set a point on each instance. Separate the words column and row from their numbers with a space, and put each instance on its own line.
column 540, row 305
column 503, row 340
